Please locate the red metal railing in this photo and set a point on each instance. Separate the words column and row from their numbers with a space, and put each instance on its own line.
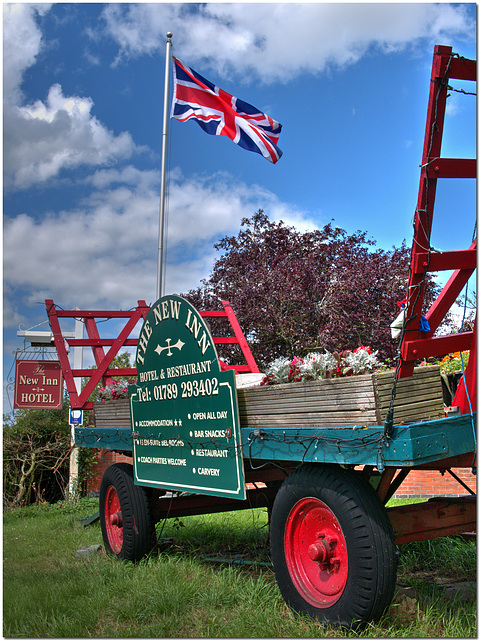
column 424, row 258
column 103, row 359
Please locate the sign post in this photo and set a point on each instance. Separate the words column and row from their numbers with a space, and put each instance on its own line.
column 184, row 414
column 38, row 385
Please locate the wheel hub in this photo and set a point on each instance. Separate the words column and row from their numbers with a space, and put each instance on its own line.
column 323, row 552
column 316, row 552
column 113, row 520
column 116, row 519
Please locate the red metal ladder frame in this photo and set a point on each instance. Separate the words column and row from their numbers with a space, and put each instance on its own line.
column 416, row 345
column 103, row 373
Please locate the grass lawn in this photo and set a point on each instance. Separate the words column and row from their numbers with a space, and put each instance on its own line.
column 187, row 590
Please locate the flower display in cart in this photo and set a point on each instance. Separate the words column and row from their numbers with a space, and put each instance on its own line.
column 317, row 366
column 277, row 372
column 361, row 360
column 453, row 362
column 114, row 391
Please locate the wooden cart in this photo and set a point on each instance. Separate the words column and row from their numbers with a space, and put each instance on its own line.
column 324, row 457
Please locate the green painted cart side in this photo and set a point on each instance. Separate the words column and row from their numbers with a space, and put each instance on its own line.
column 410, row 446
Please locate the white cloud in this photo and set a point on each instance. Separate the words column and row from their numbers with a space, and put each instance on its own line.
column 104, row 252
column 22, row 41
column 44, row 138
column 269, row 41
column 13, row 317
column 276, row 41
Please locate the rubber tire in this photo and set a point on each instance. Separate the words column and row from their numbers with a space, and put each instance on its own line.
column 138, row 529
column 368, row 536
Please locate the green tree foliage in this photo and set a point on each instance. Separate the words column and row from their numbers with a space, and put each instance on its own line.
column 36, row 443
column 36, row 448
column 295, row 292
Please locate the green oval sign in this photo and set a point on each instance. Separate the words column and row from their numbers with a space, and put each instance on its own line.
column 184, row 415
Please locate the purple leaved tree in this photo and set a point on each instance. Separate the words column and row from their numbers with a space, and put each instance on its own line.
column 295, row 292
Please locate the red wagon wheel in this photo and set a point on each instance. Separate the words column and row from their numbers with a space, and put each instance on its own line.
column 332, row 546
column 316, row 553
column 113, row 520
column 126, row 525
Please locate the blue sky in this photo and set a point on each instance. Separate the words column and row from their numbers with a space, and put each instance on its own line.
column 83, row 102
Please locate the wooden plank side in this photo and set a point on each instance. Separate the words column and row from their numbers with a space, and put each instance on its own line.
column 429, row 387
column 433, row 519
column 410, row 399
column 292, row 400
column 313, row 386
column 318, row 420
column 422, row 376
column 356, row 400
column 416, row 413
column 331, row 402
column 417, row 398
column 269, row 407
column 300, row 403
column 308, row 390
column 112, row 414
column 420, row 373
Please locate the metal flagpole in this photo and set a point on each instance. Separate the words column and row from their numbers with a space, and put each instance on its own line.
column 159, row 290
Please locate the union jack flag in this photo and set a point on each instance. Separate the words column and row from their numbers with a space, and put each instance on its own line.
column 221, row 114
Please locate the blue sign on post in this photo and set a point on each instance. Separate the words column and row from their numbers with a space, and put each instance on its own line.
column 184, row 414
column 76, row 417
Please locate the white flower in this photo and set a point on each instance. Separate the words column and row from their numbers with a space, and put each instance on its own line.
column 279, row 368
column 362, row 360
column 317, row 365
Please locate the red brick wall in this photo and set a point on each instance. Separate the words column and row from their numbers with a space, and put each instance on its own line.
column 105, row 459
column 418, row 484
column 426, row 483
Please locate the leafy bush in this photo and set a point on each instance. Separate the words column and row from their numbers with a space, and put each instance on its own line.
column 36, row 443
column 36, row 448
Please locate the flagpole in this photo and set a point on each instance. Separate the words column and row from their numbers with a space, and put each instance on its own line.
column 161, row 231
